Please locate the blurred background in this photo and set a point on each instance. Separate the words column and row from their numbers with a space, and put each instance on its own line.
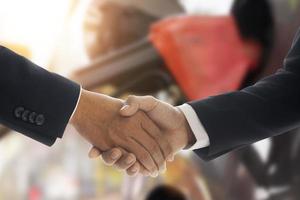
column 177, row 51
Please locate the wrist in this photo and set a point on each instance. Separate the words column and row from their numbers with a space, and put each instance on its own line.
column 90, row 102
column 75, row 118
column 189, row 139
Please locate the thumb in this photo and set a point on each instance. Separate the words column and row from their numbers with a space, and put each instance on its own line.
column 129, row 109
column 135, row 103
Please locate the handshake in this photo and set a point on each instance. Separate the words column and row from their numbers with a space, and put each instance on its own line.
column 139, row 135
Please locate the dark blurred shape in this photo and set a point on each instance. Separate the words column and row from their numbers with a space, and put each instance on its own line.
column 165, row 192
column 113, row 26
column 254, row 19
column 272, row 23
column 255, row 22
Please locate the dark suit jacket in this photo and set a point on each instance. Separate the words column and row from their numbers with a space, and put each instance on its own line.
column 266, row 109
column 34, row 101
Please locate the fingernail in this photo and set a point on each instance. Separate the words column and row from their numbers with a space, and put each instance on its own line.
column 154, row 174
column 94, row 153
column 115, row 154
column 124, row 107
column 134, row 169
column 129, row 160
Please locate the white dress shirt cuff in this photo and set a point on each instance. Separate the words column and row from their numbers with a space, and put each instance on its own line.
column 76, row 103
column 202, row 139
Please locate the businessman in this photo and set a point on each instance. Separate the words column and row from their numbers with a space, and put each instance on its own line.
column 230, row 121
column 40, row 104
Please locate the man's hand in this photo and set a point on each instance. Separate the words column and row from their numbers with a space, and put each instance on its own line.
column 97, row 119
column 169, row 119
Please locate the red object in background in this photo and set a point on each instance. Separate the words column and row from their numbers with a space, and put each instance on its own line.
column 205, row 54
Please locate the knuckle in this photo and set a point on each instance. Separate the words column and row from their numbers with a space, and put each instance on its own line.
column 131, row 98
column 149, row 97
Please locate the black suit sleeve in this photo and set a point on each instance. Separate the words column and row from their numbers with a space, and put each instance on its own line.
column 34, row 101
column 268, row 108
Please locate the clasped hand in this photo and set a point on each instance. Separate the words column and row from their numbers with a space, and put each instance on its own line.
column 138, row 136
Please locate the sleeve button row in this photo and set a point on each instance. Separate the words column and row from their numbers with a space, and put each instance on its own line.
column 28, row 116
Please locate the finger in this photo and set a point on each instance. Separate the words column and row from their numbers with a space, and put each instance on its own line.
column 142, row 155
column 110, row 157
column 144, row 171
column 134, row 169
column 137, row 168
column 134, row 103
column 171, row 158
column 156, row 134
column 94, row 153
column 129, row 109
column 145, row 140
column 126, row 161
column 145, row 103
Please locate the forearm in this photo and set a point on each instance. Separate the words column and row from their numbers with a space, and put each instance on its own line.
column 34, row 101
column 267, row 109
